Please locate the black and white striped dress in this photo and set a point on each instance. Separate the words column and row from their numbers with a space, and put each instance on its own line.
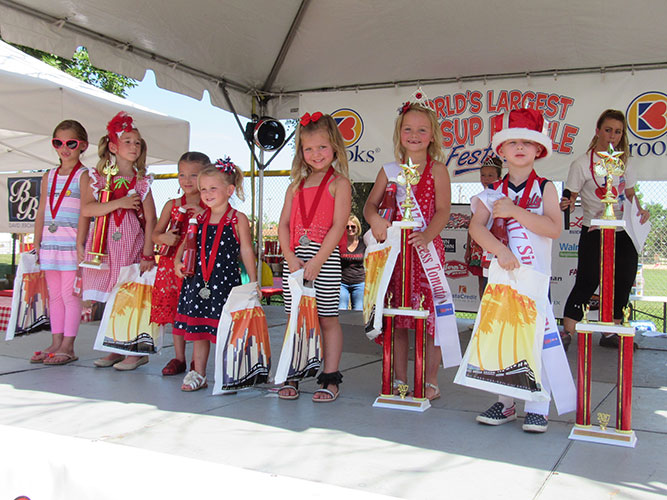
column 327, row 283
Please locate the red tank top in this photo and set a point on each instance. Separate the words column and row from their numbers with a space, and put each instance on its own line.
column 322, row 220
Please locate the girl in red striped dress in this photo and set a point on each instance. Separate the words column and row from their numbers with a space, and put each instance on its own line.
column 132, row 216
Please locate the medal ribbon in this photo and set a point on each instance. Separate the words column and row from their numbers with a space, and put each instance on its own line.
column 121, row 188
column 207, row 267
column 523, row 203
column 61, row 196
column 307, row 218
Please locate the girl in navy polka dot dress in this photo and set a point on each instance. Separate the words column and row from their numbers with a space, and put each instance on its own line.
column 223, row 234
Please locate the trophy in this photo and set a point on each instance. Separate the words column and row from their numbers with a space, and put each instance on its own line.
column 610, row 165
column 408, row 177
column 101, row 224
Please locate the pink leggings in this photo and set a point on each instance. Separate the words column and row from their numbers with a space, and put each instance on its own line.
column 64, row 307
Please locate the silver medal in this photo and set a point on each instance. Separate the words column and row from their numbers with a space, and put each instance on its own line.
column 117, row 236
column 205, row 293
column 53, row 227
column 304, row 241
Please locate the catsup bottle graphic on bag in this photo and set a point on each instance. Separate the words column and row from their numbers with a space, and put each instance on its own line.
column 190, row 252
column 387, row 208
column 177, row 225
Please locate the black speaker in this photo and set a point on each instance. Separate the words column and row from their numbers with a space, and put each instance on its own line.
column 267, row 134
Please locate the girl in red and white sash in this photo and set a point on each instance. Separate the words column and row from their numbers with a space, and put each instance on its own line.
column 55, row 241
column 417, row 136
column 132, row 216
column 529, row 206
column 311, row 227
column 167, row 285
column 223, row 235
column 582, row 181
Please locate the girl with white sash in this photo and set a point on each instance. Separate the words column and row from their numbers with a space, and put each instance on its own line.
column 529, row 205
column 417, row 137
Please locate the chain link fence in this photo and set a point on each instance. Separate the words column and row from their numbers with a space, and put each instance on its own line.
column 652, row 273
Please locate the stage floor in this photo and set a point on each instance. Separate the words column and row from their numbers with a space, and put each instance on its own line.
column 80, row 432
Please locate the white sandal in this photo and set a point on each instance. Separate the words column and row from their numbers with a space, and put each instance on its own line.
column 436, row 395
column 194, row 381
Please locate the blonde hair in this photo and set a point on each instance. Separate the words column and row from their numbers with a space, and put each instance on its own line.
column 300, row 169
column 234, row 178
column 435, row 150
column 356, row 222
column 105, row 155
column 613, row 114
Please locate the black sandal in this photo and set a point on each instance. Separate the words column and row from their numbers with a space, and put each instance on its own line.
column 325, row 380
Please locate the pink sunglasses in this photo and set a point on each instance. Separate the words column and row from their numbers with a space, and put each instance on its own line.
column 71, row 144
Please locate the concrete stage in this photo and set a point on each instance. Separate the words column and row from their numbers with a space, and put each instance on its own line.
column 64, row 428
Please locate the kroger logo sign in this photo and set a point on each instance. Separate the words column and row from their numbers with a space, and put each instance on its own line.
column 647, row 115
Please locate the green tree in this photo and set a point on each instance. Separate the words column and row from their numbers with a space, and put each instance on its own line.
column 80, row 67
column 656, row 243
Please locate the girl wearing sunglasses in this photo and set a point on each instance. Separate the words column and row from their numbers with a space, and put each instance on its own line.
column 55, row 241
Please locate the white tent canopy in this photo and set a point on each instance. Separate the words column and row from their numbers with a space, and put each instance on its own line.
column 35, row 97
column 282, row 48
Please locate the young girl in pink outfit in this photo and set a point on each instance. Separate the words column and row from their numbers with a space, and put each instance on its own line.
column 132, row 216
column 417, row 137
column 167, row 284
column 311, row 233
column 55, row 241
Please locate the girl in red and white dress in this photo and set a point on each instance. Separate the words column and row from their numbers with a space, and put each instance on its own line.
column 167, row 284
column 417, row 137
column 132, row 216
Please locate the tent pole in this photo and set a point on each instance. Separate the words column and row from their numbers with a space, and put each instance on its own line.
column 252, row 168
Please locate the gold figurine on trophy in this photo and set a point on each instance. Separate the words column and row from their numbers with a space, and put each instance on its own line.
column 408, row 177
column 610, row 165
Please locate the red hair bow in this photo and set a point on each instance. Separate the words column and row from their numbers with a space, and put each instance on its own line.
column 308, row 118
column 226, row 165
column 405, row 108
column 120, row 123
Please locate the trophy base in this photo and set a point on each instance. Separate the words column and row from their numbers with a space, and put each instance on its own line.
column 594, row 434
column 99, row 266
column 397, row 403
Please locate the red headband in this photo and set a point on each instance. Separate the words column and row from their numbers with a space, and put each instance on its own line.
column 308, row 118
column 120, row 123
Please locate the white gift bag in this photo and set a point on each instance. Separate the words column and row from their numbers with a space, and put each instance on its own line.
column 30, row 299
column 126, row 326
column 301, row 355
column 242, row 349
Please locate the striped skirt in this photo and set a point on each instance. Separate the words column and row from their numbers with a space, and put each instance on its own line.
column 327, row 283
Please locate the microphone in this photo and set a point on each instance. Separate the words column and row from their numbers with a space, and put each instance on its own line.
column 566, row 212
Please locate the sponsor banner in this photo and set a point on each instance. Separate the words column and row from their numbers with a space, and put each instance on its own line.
column 19, row 201
column 465, row 287
column 571, row 105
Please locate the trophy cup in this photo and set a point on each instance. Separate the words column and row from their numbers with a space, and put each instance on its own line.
column 387, row 399
column 623, row 435
column 101, row 224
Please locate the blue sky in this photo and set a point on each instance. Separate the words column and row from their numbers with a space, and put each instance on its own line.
column 212, row 131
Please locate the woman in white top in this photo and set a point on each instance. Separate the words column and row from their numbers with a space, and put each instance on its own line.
column 582, row 181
